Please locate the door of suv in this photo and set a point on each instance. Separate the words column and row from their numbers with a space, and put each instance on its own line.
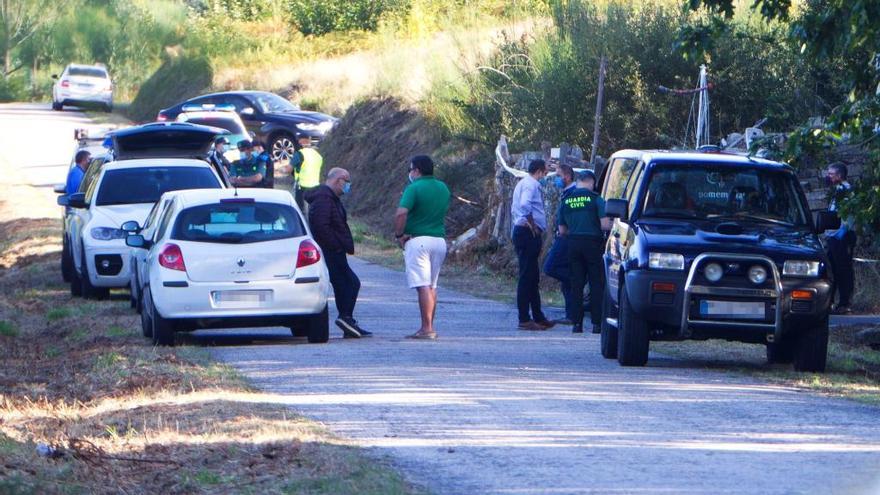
column 620, row 181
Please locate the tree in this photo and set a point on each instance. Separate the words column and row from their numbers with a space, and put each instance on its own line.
column 19, row 21
column 843, row 34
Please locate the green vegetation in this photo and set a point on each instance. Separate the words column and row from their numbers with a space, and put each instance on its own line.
column 8, row 329
column 58, row 314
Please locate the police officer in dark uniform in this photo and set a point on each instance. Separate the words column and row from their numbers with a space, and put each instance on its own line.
column 265, row 158
column 556, row 263
column 216, row 157
column 247, row 171
column 582, row 219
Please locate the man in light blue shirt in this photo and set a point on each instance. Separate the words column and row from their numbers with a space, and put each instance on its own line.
column 529, row 225
column 77, row 172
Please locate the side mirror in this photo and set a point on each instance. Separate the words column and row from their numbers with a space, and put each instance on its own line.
column 60, row 188
column 77, row 200
column 131, row 227
column 136, row 241
column 63, row 200
column 827, row 220
column 247, row 112
column 617, row 208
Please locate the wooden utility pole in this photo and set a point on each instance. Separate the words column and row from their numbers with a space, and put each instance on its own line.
column 599, row 104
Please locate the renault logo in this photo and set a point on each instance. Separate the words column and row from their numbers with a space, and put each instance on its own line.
column 240, row 262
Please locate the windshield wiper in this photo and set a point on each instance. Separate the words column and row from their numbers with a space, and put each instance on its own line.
column 754, row 218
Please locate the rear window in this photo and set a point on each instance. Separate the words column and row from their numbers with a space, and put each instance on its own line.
column 238, row 223
column 87, row 71
column 228, row 124
column 146, row 185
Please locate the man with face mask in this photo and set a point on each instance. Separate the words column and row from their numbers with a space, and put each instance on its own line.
column 841, row 242
column 529, row 225
column 556, row 263
column 329, row 222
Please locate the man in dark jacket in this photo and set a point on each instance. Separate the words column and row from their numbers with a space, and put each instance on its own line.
column 329, row 223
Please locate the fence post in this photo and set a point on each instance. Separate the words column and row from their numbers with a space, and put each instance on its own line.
column 599, row 104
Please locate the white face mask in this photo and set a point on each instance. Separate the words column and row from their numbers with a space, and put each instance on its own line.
column 410, row 176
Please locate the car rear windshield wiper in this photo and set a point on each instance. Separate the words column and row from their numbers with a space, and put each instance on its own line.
column 754, row 218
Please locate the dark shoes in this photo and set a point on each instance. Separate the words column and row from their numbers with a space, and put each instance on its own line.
column 531, row 326
column 841, row 310
column 597, row 328
column 564, row 321
column 577, row 329
column 351, row 329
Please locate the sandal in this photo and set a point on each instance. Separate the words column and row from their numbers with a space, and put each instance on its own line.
column 423, row 336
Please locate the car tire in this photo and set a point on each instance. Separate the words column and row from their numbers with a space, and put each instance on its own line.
column 66, row 262
column 108, row 108
column 75, row 284
column 811, row 348
column 319, row 327
column 633, row 340
column 781, row 352
column 87, row 290
column 298, row 328
column 57, row 106
column 282, row 146
column 163, row 328
column 608, row 339
column 146, row 322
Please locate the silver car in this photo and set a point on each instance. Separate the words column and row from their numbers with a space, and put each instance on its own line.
column 83, row 85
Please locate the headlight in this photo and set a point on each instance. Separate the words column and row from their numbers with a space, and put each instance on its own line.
column 666, row 261
column 799, row 268
column 323, row 126
column 757, row 274
column 107, row 234
column 713, row 272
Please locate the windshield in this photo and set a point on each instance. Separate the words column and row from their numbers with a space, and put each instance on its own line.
column 707, row 191
column 146, row 185
column 87, row 71
column 238, row 223
column 271, row 103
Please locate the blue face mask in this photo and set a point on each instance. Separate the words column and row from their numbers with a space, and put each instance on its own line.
column 558, row 182
column 346, row 188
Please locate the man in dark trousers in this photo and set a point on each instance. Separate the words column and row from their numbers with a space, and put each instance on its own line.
column 840, row 243
column 556, row 263
column 582, row 219
column 329, row 223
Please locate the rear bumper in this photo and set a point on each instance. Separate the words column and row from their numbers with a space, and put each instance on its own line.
column 78, row 97
column 666, row 310
column 298, row 296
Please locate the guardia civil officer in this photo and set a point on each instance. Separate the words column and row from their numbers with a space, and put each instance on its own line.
column 247, row 171
column 582, row 219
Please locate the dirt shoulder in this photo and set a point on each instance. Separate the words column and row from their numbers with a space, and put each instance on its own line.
column 126, row 417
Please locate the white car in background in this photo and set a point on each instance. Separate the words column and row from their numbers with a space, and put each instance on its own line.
column 227, row 258
column 219, row 116
column 150, row 160
column 83, row 85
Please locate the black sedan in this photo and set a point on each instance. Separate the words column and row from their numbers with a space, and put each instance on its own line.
column 269, row 117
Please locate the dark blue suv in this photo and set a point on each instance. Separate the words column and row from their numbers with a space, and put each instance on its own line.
column 713, row 246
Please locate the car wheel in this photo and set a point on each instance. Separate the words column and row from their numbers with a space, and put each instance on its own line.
column 66, row 262
column 75, row 284
column 298, row 328
column 632, row 336
column 781, row 352
column 57, row 106
column 282, row 147
column 163, row 328
column 608, row 339
column 811, row 348
column 87, row 290
column 146, row 322
column 108, row 108
column 319, row 327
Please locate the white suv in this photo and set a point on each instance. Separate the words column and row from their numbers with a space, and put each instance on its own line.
column 229, row 258
column 152, row 160
column 83, row 85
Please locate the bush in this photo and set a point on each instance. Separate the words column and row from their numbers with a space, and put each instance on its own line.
column 177, row 79
column 12, row 88
column 317, row 17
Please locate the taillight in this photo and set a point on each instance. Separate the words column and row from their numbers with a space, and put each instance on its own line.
column 65, row 83
column 172, row 258
column 161, row 117
column 308, row 254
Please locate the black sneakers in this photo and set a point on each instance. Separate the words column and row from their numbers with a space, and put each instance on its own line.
column 351, row 329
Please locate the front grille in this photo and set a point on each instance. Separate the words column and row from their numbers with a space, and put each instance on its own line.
column 108, row 264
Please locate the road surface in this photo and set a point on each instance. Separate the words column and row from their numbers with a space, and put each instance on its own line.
column 489, row 409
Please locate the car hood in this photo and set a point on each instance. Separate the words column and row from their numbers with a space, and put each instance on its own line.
column 164, row 140
column 692, row 238
column 115, row 215
column 304, row 117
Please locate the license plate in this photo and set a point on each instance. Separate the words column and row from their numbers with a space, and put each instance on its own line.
column 241, row 298
column 733, row 309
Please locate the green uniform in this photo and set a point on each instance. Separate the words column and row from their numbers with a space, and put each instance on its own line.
column 581, row 211
column 427, row 200
column 247, row 167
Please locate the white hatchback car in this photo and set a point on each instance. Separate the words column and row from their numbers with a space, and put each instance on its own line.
column 227, row 258
column 83, row 84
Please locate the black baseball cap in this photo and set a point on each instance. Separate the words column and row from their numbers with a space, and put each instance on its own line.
column 245, row 145
column 221, row 140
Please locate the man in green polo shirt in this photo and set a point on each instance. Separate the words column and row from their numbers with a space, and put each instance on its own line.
column 247, row 171
column 419, row 227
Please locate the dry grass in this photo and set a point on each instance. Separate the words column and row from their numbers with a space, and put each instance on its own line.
column 127, row 417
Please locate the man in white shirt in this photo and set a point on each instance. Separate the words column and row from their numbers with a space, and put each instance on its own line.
column 529, row 225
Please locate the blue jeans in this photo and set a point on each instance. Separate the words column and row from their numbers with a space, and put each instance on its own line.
column 556, row 266
column 528, row 295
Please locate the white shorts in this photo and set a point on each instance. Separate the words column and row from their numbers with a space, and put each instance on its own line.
column 423, row 257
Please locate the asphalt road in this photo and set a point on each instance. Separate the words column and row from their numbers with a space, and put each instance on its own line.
column 489, row 409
